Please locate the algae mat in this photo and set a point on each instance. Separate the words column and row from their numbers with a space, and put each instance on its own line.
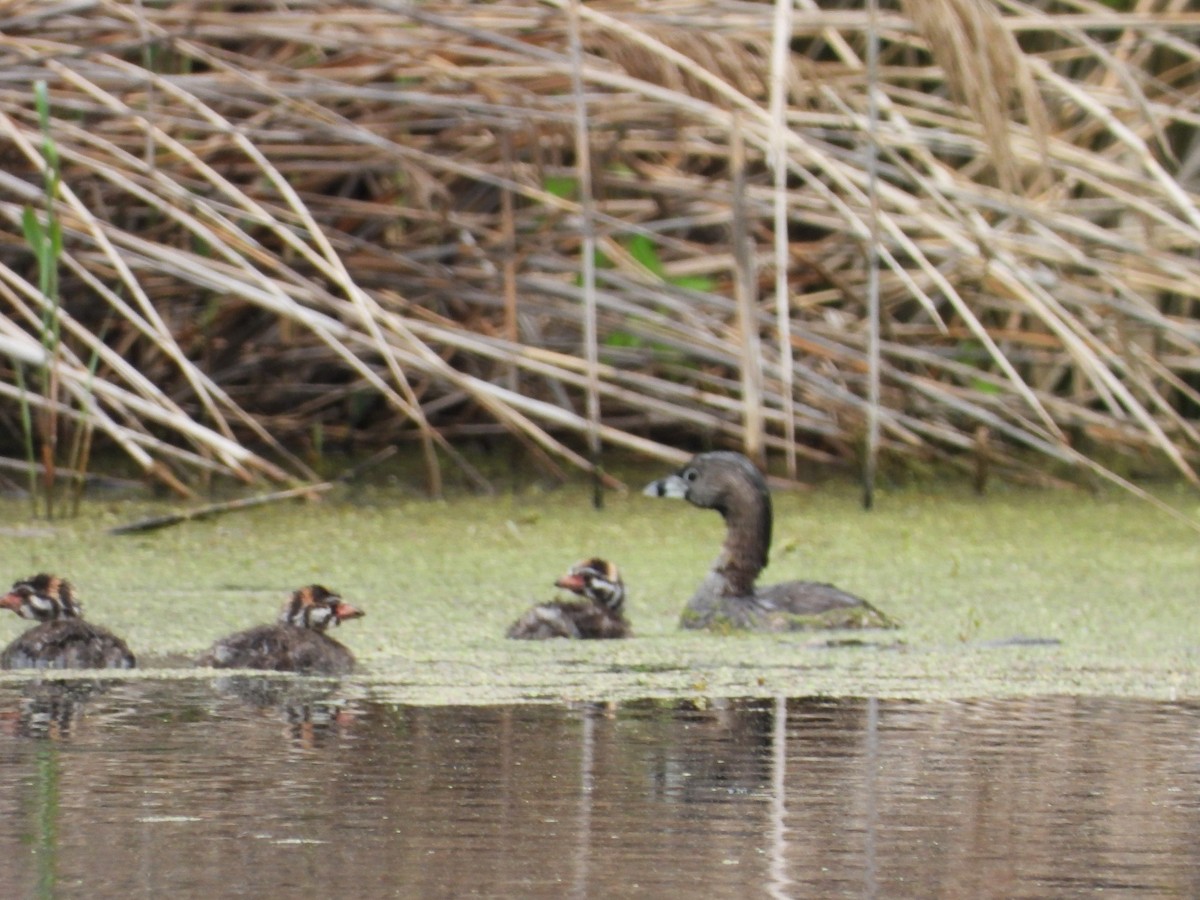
column 1105, row 586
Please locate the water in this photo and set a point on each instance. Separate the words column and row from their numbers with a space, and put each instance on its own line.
column 190, row 788
column 456, row 763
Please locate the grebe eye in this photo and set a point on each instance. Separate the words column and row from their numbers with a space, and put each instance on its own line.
column 690, row 475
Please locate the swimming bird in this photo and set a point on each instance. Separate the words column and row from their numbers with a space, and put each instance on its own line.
column 62, row 639
column 296, row 642
column 600, row 615
column 729, row 596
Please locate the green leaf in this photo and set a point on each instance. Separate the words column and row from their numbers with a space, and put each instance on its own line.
column 561, row 186
column 984, row 387
column 41, row 100
column 34, row 233
column 622, row 339
column 56, row 239
column 694, row 283
column 643, row 249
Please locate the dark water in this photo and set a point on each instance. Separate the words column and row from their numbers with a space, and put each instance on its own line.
column 176, row 789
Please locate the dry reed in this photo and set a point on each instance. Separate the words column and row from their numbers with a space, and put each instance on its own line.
column 294, row 222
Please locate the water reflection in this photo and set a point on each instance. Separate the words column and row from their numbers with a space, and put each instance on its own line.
column 49, row 709
column 274, row 787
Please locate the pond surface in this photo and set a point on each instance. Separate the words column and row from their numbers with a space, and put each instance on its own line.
column 1019, row 593
column 1033, row 728
column 195, row 788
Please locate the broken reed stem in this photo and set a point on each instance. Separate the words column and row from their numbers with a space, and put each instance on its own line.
column 871, row 456
column 307, row 491
column 746, row 297
column 781, row 65
column 153, row 523
column 583, row 168
column 508, row 266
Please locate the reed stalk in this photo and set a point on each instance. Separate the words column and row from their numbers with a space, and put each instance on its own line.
column 45, row 240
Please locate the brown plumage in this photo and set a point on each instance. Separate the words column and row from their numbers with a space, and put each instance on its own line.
column 295, row 643
column 600, row 616
column 729, row 597
column 61, row 639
